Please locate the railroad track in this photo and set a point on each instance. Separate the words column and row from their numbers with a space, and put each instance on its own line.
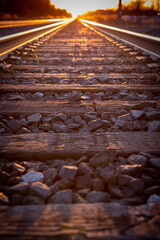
column 79, row 139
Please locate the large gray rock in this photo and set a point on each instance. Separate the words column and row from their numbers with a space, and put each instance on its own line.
column 105, row 116
column 60, row 117
column 123, row 180
column 131, row 97
column 120, row 123
column 154, row 126
column 94, row 124
column 63, row 196
column 108, row 174
column 32, row 176
column 59, row 127
column 136, row 114
column 155, row 162
column 98, row 185
column 137, row 126
column 68, row 172
column 84, row 169
column 154, row 199
column 34, row 118
column 83, row 192
column 47, row 119
column 95, row 196
column 148, row 181
column 56, row 163
column 65, row 183
column 137, row 159
column 45, row 127
column 39, row 189
column 79, row 120
column 84, row 181
column 32, row 200
column 21, row 188
column 50, row 174
column 153, row 114
column 54, row 188
column 85, row 129
column 136, row 184
column 102, row 159
column 13, row 124
column 115, row 191
column 37, row 95
column 132, row 170
column 88, row 117
column 75, row 96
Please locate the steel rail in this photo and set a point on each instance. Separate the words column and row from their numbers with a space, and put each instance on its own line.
column 11, row 36
column 14, row 41
column 147, row 43
column 18, row 23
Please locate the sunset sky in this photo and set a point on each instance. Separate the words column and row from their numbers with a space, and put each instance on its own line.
column 81, row 6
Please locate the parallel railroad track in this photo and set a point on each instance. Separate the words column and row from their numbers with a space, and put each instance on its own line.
column 82, row 112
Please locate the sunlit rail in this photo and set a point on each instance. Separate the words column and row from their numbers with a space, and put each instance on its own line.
column 14, row 41
column 140, row 35
column 11, row 36
column 146, row 43
column 17, row 23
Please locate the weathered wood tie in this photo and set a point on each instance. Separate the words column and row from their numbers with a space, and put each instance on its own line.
column 69, row 107
column 74, row 87
column 45, row 146
column 82, row 221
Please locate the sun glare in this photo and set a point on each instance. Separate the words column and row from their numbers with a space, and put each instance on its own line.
column 78, row 7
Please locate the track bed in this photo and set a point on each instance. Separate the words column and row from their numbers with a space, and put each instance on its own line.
column 79, row 139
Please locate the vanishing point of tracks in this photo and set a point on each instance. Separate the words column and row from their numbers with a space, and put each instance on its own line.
column 79, row 139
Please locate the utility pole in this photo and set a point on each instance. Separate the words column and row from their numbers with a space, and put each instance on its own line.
column 158, row 6
column 120, row 8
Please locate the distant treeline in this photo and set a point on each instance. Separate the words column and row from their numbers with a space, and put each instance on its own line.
column 24, row 9
column 134, row 7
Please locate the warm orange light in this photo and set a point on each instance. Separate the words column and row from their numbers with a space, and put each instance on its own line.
column 77, row 7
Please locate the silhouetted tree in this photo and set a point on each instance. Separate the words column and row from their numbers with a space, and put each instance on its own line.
column 31, row 8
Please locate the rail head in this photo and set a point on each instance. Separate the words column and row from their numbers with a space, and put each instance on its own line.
column 132, row 33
